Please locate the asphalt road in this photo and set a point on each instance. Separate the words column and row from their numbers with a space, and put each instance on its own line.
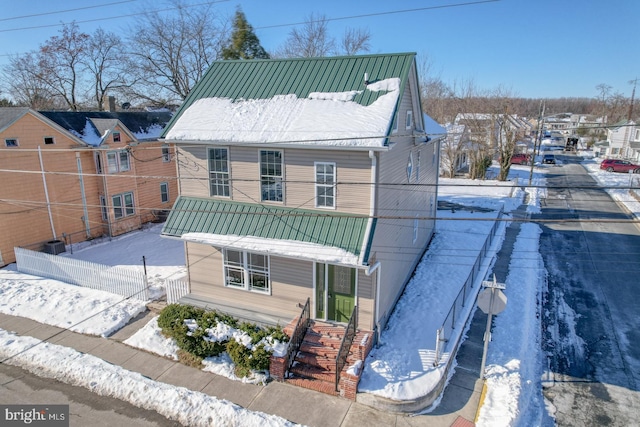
column 592, row 303
column 85, row 408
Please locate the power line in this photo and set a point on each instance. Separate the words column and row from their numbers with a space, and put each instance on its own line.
column 66, row 10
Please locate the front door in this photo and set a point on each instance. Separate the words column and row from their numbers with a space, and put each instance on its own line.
column 341, row 292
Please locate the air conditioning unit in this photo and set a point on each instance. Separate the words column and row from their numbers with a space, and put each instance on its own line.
column 54, row 247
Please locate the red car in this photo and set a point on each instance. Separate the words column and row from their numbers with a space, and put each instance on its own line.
column 520, row 159
column 616, row 165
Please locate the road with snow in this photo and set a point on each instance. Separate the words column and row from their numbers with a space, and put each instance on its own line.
column 22, row 387
column 590, row 331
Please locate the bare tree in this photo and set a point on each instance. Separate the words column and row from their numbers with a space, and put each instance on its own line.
column 60, row 64
column 169, row 54
column 24, row 84
column 104, row 63
column 354, row 41
column 313, row 39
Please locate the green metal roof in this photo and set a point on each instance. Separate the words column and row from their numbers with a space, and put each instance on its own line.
column 265, row 78
column 214, row 216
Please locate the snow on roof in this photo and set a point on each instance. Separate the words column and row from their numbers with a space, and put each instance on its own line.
column 432, row 127
column 89, row 134
column 328, row 119
column 287, row 248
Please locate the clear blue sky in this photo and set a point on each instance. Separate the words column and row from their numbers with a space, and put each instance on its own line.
column 535, row 48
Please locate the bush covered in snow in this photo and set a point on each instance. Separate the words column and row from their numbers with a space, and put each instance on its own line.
column 201, row 334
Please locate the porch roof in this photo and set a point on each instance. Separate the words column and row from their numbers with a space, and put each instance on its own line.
column 297, row 233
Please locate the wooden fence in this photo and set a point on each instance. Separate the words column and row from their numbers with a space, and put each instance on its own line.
column 117, row 280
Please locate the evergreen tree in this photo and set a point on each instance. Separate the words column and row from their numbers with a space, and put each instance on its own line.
column 244, row 43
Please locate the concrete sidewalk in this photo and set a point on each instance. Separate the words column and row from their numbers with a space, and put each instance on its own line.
column 458, row 406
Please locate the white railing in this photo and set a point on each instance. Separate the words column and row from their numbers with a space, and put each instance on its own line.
column 176, row 289
column 117, row 280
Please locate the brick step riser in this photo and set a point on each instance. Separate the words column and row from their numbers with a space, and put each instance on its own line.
column 319, row 350
column 320, row 362
column 325, row 387
column 316, row 374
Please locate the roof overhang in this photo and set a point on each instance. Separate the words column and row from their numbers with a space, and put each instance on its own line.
column 319, row 236
column 307, row 146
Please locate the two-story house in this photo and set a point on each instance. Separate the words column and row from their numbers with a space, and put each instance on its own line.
column 302, row 179
column 69, row 176
column 624, row 141
column 136, row 173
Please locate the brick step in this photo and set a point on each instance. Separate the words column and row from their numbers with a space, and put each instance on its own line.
column 322, row 340
column 325, row 329
column 319, row 350
column 325, row 387
column 316, row 360
column 313, row 372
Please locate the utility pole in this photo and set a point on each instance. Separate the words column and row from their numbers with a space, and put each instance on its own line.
column 633, row 82
column 538, row 140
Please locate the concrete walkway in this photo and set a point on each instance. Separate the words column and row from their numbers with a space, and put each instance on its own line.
column 458, row 406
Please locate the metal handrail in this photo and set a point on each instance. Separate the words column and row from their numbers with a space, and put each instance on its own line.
column 298, row 334
column 345, row 344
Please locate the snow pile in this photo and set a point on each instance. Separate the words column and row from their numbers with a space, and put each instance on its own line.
column 177, row 403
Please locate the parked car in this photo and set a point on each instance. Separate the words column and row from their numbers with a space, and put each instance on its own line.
column 549, row 159
column 520, row 159
column 616, row 165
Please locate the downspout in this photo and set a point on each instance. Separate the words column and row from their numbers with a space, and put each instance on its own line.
column 46, row 193
column 85, row 218
column 369, row 272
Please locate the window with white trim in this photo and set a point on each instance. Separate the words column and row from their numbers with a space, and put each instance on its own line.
column 49, row 140
column 11, row 142
column 118, row 161
column 271, row 176
column 164, row 192
column 409, row 123
column 219, row 172
column 637, row 138
column 325, row 185
column 247, row 270
column 116, row 137
column 123, row 205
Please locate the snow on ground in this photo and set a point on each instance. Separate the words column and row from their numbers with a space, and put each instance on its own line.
column 513, row 381
column 84, row 370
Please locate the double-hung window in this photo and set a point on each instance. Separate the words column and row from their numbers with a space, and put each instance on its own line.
column 123, row 205
column 118, row 161
column 219, row 172
column 325, row 185
column 271, row 176
column 247, row 270
column 164, row 192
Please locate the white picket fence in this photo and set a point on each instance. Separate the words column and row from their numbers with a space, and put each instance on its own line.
column 176, row 289
column 117, row 280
